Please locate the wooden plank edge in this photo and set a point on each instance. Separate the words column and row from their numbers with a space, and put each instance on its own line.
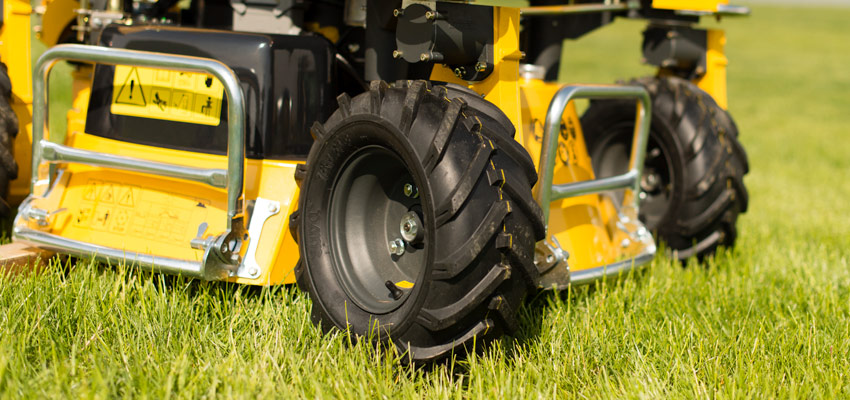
column 21, row 257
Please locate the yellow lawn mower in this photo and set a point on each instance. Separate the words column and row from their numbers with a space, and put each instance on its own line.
column 409, row 164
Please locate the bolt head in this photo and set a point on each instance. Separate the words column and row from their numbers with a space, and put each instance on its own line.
column 409, row 228
column 410, row 190
column 424, row 57
column 397, row 247
column 397, row 54
column 430, row 15
column 254, row 271
column 272, row 208
column 397, row 12
column 652, row 179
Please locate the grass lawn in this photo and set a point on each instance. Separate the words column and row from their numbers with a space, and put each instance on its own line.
column 767, row 319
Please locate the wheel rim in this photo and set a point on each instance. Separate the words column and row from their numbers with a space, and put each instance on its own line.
column 657, row 178
column 374, row 195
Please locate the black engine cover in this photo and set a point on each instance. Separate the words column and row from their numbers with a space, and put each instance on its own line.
column 288, row 83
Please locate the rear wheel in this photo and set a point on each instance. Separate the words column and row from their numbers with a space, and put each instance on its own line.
column 414, row 227
column 692, row 183
column 8, row 131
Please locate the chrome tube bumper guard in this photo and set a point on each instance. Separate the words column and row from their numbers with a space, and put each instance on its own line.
column 549, row 253
column 221, row 253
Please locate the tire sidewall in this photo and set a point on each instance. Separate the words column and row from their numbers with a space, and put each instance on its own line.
column 672, row 149
column 327, row 160
column 660, row 131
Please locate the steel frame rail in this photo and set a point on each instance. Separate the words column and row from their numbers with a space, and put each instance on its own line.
column 221, row 258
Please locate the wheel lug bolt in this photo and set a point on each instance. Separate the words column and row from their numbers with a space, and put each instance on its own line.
column 397, row 247
column 411, row 191
column 409, row 227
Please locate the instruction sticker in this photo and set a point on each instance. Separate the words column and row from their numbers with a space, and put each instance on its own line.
column 139, row 212
column 168, row 95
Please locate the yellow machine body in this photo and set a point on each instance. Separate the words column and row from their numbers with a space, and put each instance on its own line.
column 713, row 81
column 690, row 5
column 585, row 226
column 156, row 215
column 58, row 15
column 16, row 53
column 148, row 214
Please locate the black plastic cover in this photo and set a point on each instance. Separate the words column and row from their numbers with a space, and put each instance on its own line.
column 288, row 83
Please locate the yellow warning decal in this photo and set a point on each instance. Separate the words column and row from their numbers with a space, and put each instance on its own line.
column 139, row 212
column 170, row 95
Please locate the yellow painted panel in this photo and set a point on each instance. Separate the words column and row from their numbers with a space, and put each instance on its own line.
column 693, row 5
column 159, row 216
column 57, row 16
column 15, row 51
column 585, row 226
column 167, row 95
column 15, row 48
column 501, row 87
column 714, row 80
column 148, row 215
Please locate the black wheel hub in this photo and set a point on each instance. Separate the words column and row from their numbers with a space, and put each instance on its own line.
column 373, row 200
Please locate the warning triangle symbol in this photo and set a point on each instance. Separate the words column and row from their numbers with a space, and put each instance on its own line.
column 91, row 191
column 126, row 198
column 131, row 90
column 106, row 194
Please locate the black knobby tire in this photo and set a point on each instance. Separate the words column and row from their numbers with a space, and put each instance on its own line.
column 474, row 264
column 695, row 165
column 8, row 131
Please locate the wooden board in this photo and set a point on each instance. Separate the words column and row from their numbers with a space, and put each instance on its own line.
column 20, row 257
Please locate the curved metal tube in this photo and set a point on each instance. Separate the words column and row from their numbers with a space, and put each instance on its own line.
column 57, row 153
column 586, row 276
column 103, row 55
column 194, row 269
column 546, row 192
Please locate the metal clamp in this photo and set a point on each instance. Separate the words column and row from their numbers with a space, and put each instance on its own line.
column 263, row 210
column 232, row 179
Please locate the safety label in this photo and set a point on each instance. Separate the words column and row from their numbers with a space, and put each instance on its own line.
column 135, row 211
column 169, row 95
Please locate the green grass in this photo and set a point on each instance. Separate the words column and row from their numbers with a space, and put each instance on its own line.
column 767, row 319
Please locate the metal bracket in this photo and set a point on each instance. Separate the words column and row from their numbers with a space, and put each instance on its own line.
column 548, row 256
column 41, row 217
column 263, row 210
